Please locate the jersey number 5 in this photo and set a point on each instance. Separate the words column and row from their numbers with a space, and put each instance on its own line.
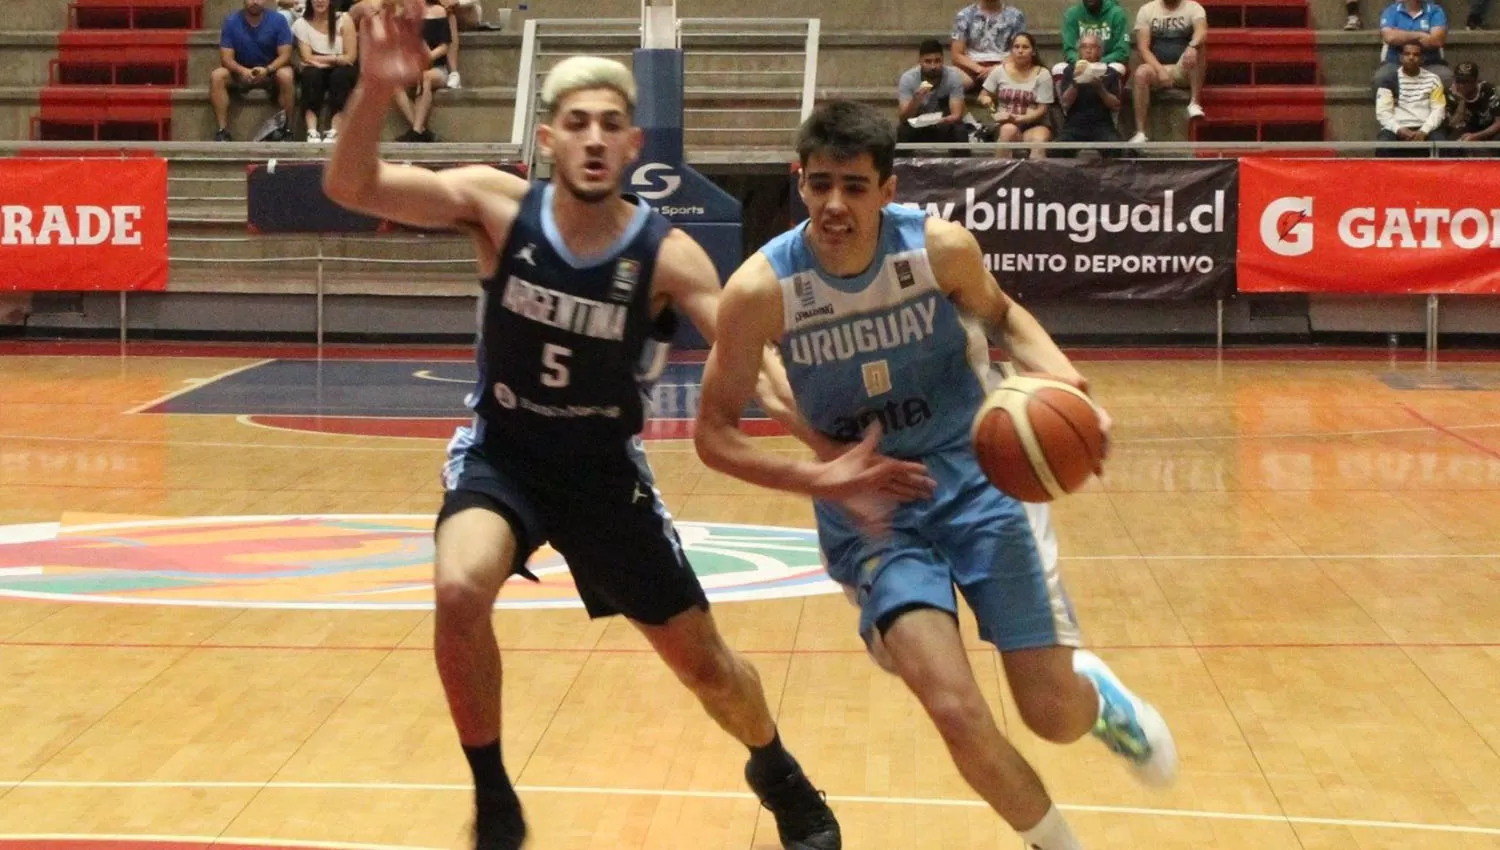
column 554, row 370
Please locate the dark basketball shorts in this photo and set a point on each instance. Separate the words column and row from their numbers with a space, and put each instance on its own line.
column 613, row 531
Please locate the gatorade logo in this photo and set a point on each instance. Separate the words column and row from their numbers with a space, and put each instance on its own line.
column 644, row 179
column 1286, row 226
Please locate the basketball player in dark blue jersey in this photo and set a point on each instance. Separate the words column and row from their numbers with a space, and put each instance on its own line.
column 576, row 279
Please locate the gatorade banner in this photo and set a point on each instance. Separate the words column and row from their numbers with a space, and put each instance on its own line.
column 1138, row 229
column 81, row 225
column 1422, row 227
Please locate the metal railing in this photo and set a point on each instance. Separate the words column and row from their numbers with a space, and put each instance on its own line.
column 1192, row 150
column 789, row 42
column 445, row 262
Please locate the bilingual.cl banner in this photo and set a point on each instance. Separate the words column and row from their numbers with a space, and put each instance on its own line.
column 83, row 224
column 1366, row 228
column 1148, row 230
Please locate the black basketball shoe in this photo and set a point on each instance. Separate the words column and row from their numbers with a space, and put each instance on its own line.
column 803, row 819
column 499, row 823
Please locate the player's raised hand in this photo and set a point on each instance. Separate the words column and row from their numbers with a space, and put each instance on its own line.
column 391, row 50
column 862, row 471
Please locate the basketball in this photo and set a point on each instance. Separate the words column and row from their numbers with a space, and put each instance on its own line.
column 1038, row 438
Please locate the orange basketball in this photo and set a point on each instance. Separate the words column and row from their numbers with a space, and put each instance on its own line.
column 1037, row 437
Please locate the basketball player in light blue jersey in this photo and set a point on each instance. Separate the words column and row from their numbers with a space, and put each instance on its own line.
column 881, row 315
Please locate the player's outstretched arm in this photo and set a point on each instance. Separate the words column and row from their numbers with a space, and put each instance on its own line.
column 958, row 265
column 749, row 318
column 393, row 56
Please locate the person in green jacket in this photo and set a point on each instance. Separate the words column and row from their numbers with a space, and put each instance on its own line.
column 1102, row 18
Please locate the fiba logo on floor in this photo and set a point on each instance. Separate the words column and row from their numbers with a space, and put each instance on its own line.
column 346, row 562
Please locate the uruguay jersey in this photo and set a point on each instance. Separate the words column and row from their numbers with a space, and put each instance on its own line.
column 885, row 346
column 888, row 346
column 566, row 351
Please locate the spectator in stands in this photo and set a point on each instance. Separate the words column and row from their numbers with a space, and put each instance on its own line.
column 982, row 33
column 930, row 98
column 1170, row 35
column 1090, row 97
column 1411, row 108
column 1019, row 90
column 1420, row 22
column 291, row 9
column 329, row 47
column 439, row 31
column 1473, row 109
column 1477, row 8
column 1103, row 19
column 470, row 14
column 1352, row 20
column 460, row 11
column 255, row 50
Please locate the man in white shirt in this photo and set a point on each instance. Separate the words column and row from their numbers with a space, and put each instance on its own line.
column 1411, row 108
column 1169, row 34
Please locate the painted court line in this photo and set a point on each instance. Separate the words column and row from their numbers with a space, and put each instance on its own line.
column 740, row 795
column 209, row 841
column 654, row 446
column 198, row 384
column 1451, row 432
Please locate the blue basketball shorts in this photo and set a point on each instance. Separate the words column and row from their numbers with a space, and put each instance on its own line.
column 970, row 538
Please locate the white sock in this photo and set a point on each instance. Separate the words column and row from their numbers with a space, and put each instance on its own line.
column 1053, row 833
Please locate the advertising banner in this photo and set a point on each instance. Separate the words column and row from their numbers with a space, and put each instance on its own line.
column 83, row 224
column 1419, row 227
column 1139, row 229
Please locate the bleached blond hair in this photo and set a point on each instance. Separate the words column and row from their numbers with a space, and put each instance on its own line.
column 577, row 73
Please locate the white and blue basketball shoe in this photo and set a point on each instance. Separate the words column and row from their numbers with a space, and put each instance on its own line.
column 1129, row 725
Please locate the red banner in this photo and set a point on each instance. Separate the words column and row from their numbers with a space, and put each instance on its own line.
column 1370, row 227
column 80, row 225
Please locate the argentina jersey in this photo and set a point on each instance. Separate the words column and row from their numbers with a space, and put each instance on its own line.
column 885, row 346
column 568, row 349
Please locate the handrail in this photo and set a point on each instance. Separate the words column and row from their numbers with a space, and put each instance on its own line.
column 525, row 81
column 810, row 67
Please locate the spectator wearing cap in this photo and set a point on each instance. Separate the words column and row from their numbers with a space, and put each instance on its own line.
column 1412, row 108
column 1473, row 109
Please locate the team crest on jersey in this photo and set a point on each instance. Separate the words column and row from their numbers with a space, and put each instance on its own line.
column 802, row 285
column 903, row 274
column 627, row 275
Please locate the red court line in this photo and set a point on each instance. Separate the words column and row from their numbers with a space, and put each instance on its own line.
column 1442, row 429
column 229, row 647
column 148, row 348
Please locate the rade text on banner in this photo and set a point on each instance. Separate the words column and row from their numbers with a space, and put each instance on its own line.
column 85, row 224
column 1116, row 230
column 1324, row 226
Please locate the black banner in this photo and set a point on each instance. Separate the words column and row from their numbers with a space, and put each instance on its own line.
column 1118, row 229
column 287, row 197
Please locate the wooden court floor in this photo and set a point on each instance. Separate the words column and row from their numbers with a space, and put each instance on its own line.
column 1296, row 557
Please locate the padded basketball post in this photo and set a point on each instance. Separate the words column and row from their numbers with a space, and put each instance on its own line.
column 659, row 25
column 662, row 176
